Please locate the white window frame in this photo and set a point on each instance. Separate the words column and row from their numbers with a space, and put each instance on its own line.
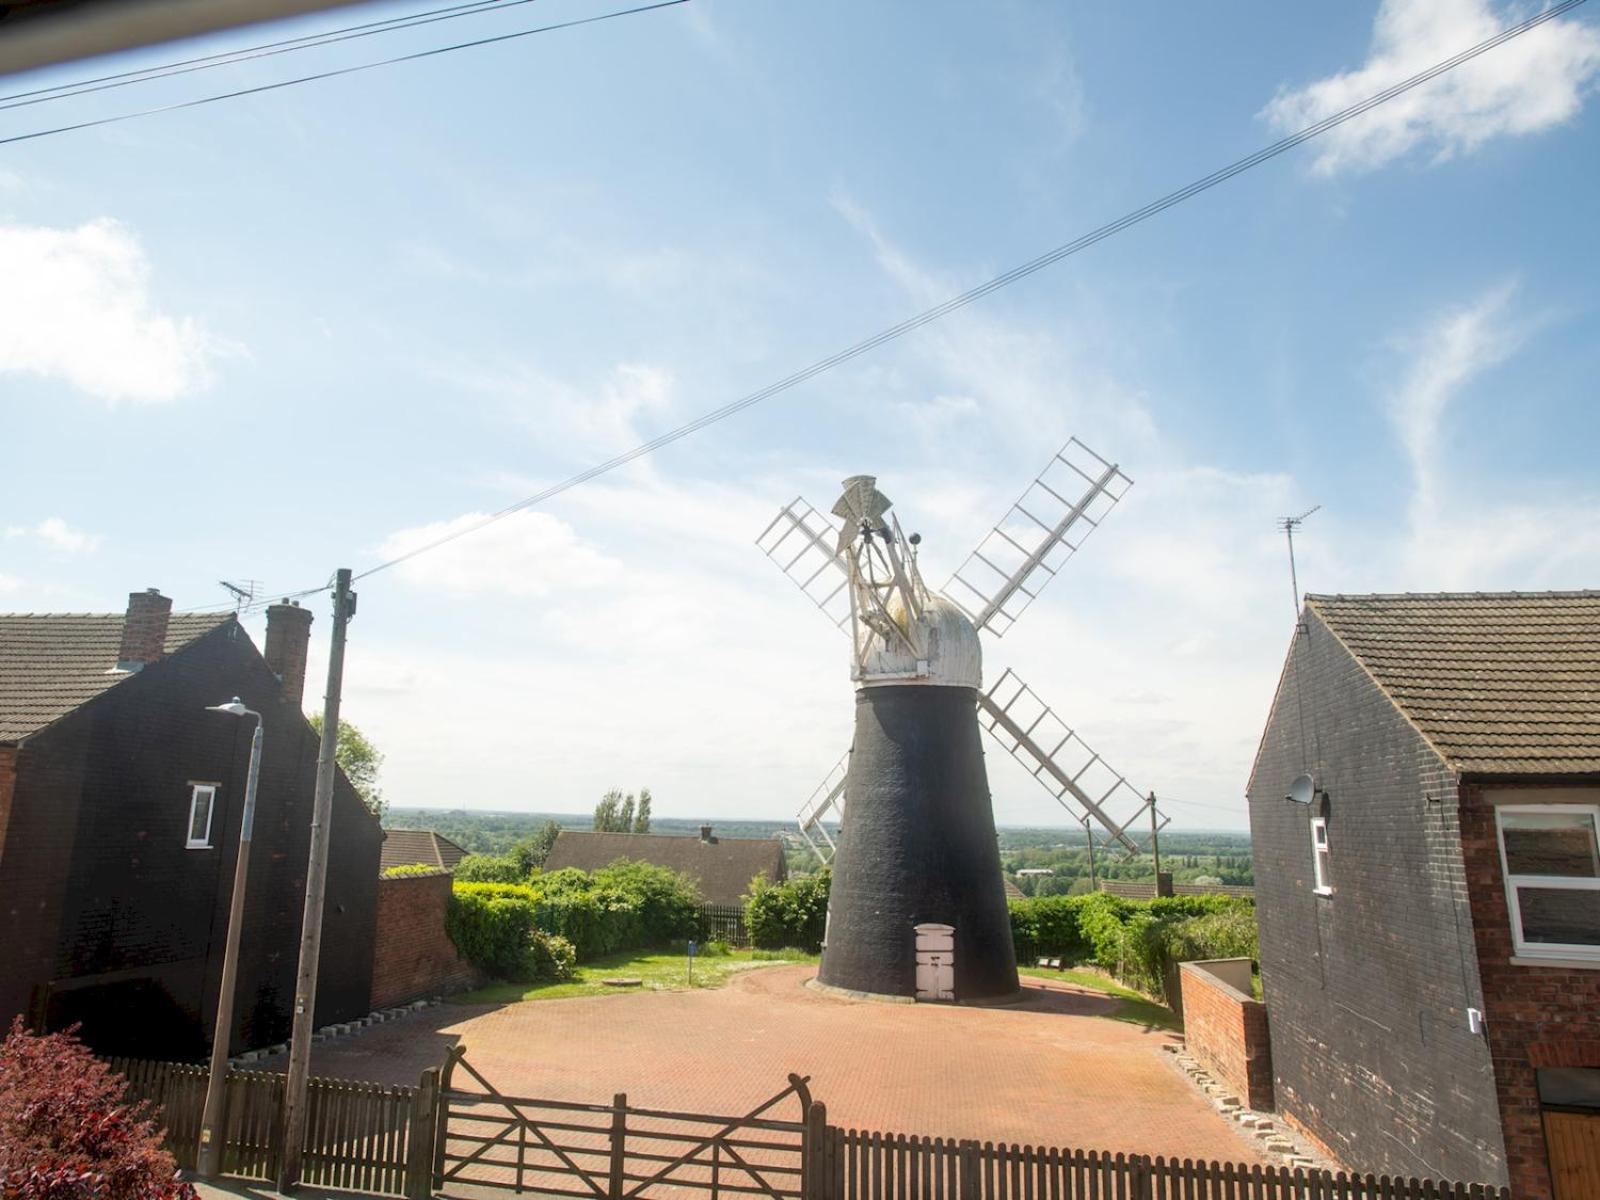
column 1320, row 854
column 1553, row 950
column 204, row 841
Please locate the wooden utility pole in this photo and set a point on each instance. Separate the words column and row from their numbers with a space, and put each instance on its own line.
column 1155, row 840
column 1094, row 883
column 305, row 988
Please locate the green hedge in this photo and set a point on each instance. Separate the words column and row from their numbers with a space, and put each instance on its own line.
column 793, row 913
column 621, row 907
column 487, row 868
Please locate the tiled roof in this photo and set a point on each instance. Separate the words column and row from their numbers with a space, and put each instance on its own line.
column 50, row 663
column 723, row 867
column 1499, row 683
column 409, row 847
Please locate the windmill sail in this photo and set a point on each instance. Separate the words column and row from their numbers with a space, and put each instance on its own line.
column 805, row 545
column 825, row 804
column 1062, row 507
column 1059, row 759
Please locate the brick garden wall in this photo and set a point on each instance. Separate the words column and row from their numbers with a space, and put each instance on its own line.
column 1368, row 987
column 413, row 957
column 1537, row 1016
column 1225, row 1028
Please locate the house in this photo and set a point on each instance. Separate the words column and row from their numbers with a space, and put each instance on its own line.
column 120, row 799
column 1430, row 913
column 419, row 847
column 723, row 867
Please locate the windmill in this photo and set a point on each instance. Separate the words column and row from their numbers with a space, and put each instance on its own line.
column 863, row 573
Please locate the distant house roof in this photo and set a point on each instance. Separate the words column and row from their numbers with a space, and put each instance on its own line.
column 1499, row 683
column 52, row 663
column 723, row 867
column 409, row 847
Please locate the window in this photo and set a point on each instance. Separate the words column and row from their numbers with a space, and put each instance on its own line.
column 1319, row 856
column 1551, row 857
column 202, row 800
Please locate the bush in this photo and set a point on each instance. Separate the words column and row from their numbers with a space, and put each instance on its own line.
column 668, row 902
column 1047, row 925
column 716, row 949
column 67, row 1131
column 491, row 925
column 788, row 914
column 486, row 868
column 551, row 957
column 408, row 870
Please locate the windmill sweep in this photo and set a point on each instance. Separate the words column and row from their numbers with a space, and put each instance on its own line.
column 918, row 906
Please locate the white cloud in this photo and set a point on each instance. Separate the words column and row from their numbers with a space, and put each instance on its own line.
column 77, row 306
column 9, row 583
column 525, row 554
column 1531, row 83
column 58, row 535
column 603, row 417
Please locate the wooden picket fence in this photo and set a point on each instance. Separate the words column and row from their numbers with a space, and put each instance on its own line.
column 361, row 1136
column 861, row 1165
column 436, row 1138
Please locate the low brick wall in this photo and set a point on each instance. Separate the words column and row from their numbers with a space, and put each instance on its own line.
column 413, row 957
column 1225, row 1027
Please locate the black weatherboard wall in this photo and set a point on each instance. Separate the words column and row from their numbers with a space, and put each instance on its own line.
column 1367, row 989
column 115, row 923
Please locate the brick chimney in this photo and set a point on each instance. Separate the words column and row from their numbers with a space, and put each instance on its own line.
column 144, row 629
column 288, row 635
column 705, row 835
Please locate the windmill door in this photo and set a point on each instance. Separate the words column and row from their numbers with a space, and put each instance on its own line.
column 936, row 962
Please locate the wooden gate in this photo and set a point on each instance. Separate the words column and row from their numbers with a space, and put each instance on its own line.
column 618, row 1151
column 1572, row 1138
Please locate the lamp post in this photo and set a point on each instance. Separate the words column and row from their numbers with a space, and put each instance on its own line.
column 208, row 1162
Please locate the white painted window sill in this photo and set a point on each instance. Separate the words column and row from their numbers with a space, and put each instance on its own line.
column 1538, row 960
column 1322, row 891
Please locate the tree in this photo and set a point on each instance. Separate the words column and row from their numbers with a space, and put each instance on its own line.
column 67, row 1131
column 530, row 852
column 620, row 812
column 360, row 761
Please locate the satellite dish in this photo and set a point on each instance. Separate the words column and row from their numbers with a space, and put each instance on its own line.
column 1302, row 790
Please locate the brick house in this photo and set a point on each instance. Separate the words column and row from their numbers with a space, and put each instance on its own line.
column 120, row 800
column 722, row 867
column 1430, row 920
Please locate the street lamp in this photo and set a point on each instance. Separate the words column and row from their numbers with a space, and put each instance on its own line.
column 208, row 1162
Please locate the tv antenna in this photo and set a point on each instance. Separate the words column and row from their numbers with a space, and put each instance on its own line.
column 244, row 593
column 1289, row 525
column 869, row 583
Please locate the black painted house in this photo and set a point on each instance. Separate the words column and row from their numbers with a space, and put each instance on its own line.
column 1430, row 920
column 120, row 799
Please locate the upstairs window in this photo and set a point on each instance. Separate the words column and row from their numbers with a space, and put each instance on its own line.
column 1319, row 856
column 202, row 801
column 1551, row 857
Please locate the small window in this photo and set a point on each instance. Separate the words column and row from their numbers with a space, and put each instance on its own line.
column 202, row 800
column 1319, row 856
column 1551, row 857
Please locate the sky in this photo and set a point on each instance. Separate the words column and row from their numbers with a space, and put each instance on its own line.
column 315, row 327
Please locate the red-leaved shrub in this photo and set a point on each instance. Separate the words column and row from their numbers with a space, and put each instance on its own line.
column 67, row 1131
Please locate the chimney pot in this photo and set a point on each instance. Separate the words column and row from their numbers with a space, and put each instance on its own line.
column 144, row 629
column 288, row 639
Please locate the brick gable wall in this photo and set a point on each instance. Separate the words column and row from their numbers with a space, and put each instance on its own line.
column 412, row 955
column 1537, row 1016
column 1368, row 988
column 1226, row 1031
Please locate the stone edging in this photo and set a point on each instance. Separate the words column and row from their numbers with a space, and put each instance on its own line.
column 343, row 1029
column 1274, row 1138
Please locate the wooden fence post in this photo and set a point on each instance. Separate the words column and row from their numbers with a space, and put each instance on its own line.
column 421, row 1149
column 1141, row 1179
column 813, row 1150
column 619, row 1143
column 971, row 1179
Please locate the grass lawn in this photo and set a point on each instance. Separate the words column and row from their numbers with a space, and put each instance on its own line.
column 1136, row 1008
column 659, row 971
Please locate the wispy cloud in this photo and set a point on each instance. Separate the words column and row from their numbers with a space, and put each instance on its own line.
column 57, row 535
column 525, row 554
column 1534, row 82
column 77, row 306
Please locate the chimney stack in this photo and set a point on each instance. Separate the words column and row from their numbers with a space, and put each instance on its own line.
column 144, row 629
column 288, row 637
column 705, row 834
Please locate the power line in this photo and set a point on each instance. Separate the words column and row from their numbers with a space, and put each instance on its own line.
column 334, row 74
column 227, row 58
column 1049, row 258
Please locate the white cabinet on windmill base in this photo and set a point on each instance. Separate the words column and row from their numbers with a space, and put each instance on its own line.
column 936, row 962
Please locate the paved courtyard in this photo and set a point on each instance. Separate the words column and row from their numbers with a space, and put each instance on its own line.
column 1054, row 1070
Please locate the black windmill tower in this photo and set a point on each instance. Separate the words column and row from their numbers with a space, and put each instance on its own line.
column 918, row 905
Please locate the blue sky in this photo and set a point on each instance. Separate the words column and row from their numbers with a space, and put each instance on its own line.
column 305, row 329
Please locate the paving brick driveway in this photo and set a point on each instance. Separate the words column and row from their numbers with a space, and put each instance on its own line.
column 1051, row 1071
